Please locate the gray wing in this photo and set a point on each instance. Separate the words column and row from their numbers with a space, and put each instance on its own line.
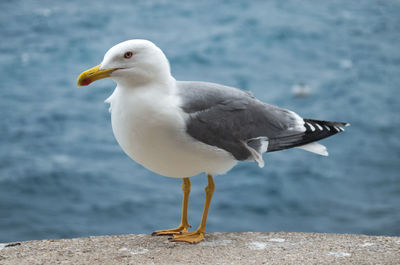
column 235, row 121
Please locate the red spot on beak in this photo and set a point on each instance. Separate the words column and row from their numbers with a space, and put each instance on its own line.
column 86, row 82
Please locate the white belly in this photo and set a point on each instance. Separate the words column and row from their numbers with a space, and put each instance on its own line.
column 153, row 134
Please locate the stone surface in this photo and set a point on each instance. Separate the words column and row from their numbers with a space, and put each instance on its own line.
column 218, row 248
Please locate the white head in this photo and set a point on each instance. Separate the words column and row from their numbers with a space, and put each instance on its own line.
column 130, row 63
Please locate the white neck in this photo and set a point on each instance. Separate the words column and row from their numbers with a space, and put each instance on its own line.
column 161, row 86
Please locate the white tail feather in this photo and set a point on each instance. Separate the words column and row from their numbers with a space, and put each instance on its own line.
column 315, row 148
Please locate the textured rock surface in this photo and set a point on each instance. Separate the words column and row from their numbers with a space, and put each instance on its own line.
column 218, row 248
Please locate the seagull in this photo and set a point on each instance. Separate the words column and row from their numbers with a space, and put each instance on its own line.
column 180, row 129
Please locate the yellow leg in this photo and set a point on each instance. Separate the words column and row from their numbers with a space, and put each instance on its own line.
column 198, row 235
column 183, row 227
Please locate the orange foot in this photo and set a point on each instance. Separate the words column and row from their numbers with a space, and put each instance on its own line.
column 189, row 237
column 174, row 231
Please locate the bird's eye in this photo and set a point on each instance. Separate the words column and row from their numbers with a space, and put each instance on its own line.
column 128, row 55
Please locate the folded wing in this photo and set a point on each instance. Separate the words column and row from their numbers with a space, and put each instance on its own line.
column 237, row 122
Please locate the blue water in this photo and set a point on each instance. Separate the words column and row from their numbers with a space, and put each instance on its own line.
column 62, row 174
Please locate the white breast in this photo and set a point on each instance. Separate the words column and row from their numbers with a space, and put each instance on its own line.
column 150, row 129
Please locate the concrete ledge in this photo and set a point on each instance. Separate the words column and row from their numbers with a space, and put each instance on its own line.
column 218, row 248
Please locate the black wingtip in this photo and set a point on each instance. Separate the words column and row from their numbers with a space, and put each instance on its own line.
column 315, row 130
column 318, row 129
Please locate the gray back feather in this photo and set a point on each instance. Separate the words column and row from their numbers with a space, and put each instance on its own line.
column 227, row 117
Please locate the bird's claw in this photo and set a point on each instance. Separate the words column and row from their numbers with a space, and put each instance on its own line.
column 188, row 237
column 174, row 231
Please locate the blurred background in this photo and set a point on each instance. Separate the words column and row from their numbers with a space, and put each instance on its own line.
column 62, row 173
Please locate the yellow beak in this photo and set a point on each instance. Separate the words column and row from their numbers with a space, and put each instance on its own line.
column 93, row 74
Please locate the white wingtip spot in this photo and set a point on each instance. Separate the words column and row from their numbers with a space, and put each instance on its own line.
column 327, row 127
column 319, row 127
column 336, row 128
column 312, row 127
